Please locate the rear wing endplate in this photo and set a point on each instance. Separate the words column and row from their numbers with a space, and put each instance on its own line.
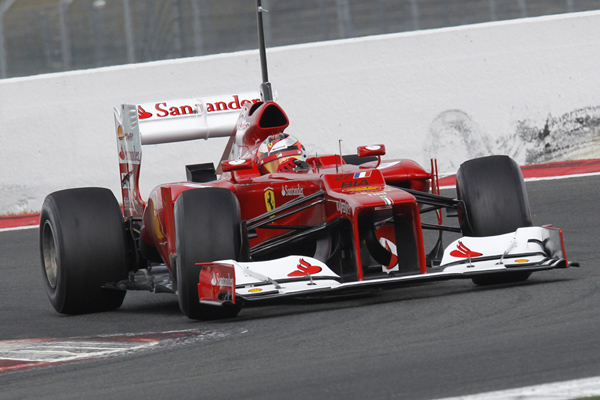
column 165, row 122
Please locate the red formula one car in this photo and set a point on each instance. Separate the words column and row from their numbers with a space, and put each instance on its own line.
column 272, row 220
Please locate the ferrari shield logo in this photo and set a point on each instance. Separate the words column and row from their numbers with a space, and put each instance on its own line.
column 269, row 199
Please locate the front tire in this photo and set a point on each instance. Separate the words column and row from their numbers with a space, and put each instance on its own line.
column 207, row 228
column 83, row 247
column 494, row 202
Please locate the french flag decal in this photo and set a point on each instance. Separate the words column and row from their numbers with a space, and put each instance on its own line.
column 365, row 174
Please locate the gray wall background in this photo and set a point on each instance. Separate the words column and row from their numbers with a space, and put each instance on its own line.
column 44, row 36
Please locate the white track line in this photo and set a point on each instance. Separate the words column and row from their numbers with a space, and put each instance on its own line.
column 551, row 178
column 19, row 228
column 544, row 178
column 24, row 355
column 61, row 351
column 567, row 390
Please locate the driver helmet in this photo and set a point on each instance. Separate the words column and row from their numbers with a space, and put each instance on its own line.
column 279, row 153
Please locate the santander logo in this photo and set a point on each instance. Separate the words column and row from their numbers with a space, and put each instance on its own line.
column 143, row 114
column 218, row 280
column 463, row 251
column 304, row 269
column 177, row 108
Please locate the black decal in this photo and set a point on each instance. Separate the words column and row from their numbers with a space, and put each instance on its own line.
column 270, row 200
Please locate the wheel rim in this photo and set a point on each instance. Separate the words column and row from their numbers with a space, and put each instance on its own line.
column 50, row 254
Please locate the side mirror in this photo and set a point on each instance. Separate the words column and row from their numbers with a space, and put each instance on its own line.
column 370, row 150
column 236, row 165
column 376, row 150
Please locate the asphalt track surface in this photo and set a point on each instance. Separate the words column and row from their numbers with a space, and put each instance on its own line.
column 425, row 341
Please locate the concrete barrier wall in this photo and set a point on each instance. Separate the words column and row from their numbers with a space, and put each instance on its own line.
column 528, row 88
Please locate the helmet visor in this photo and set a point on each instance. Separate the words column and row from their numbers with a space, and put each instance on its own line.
column 273, row 166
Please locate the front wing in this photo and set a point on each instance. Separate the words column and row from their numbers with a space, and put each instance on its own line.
column 528, row 249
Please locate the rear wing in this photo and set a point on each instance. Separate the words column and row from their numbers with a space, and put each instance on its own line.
column 165, row 122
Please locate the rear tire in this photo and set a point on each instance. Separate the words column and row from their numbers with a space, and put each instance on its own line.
column 495, row 202
column 207, row 228
column 83, row 247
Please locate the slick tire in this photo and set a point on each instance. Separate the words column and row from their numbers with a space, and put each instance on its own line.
column 494, row 202
column 207, row 228
column 83, row 247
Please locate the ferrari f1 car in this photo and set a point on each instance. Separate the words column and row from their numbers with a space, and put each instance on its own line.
column 274, row 221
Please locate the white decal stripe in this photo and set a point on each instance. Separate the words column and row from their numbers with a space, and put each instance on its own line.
column 551, row 391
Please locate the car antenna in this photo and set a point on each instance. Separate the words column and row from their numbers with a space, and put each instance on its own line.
column 336, row 160
column 265, row 87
